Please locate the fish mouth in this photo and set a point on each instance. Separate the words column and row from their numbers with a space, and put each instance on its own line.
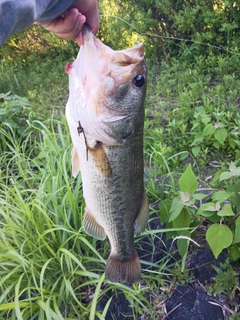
column 89, row 40
column 106, row 57
column 87, row 33
column 94, row 50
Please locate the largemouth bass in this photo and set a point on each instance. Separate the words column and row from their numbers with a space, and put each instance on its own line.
column 105, row 115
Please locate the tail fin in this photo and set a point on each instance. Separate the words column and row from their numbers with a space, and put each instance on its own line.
column 126, row 271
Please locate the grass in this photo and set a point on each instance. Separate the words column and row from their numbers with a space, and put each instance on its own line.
column 49, row 268
column 45, row 84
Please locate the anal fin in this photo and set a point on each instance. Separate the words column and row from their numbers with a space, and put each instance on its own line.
column 143, row 215
column 91, row 227
column 126, row 271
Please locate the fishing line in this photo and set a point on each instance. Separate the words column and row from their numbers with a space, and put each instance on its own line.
column 168, row 38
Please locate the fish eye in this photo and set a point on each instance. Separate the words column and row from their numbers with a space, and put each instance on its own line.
column 139, row 81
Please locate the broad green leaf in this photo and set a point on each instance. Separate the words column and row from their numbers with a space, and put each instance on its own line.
column 182, row 245
column 220, row 135
column 234, row 252
column 237, row 231
column 216, row 144
column 219, row 237
column 208, row 130
column 3, row 111
column 214, row 218
column 207, row 209
column 188, row 181
column 198, row 138
column 220, row 196
column 227, row 175
column 210, row 206
column 176, row 208
column 199, row 196
column 183, row 219
column 216, row 177
column 235, row 191
column 195, row 151
column 206, row 120
column 195, row 125
column 165, row 210
column 226, row 211
column 11, row 122
column 183, row 155
column 232, row 142
column 219, row 125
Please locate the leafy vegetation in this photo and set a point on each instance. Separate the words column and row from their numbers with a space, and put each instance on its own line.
column 49, row 268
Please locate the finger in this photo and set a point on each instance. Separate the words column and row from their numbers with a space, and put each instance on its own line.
column 68, row 25
column 89, row 8
column 71, row 24
column 79, row 39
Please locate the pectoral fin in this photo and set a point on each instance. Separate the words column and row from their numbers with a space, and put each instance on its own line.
column 143, row 215
column 91, row 227
column 75, row 163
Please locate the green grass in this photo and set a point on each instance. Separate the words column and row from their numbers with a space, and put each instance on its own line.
column 44, row 83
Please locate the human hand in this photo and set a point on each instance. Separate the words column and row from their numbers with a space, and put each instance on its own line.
column 69, row 24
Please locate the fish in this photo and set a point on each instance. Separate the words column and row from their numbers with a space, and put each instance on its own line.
column 105, row 116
